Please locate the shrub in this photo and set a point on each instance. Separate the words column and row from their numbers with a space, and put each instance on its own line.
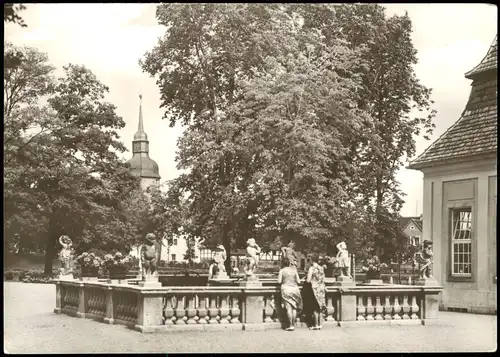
column 37, row 276
column 8, row 275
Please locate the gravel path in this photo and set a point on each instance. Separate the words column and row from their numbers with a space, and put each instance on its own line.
column 30, row 326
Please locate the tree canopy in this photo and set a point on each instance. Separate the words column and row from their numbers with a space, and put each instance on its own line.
column 63, row 174
column 297, row 118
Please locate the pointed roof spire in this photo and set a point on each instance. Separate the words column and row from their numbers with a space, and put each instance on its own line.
column 140, row 135
column 489, row 62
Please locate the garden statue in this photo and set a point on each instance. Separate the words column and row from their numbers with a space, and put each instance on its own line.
column 66, row 256
column 425, row 258
column 343, row 260
column 149, row 252
column 220, row 257
column 252, row 259
column 288, row 254
column 213, row 270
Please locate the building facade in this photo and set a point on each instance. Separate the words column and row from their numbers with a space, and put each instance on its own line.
column 460, row 197
column 412, row 228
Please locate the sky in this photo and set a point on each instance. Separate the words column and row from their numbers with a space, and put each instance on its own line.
column 109, row 39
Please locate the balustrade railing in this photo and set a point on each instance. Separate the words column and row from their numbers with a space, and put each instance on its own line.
column 150, row 309
column 211, row 306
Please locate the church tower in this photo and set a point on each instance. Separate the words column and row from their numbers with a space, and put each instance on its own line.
column 142, row 165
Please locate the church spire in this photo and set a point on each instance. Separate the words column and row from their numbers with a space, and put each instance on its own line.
column 140, row 135
column 140, row 143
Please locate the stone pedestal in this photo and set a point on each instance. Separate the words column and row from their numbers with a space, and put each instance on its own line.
column 251, row 281
column 426, row 282
column 220, row 282
column 118, row 281
column 343, row 281
column 347, row 305
column 149, row 314
column 221, row 276
column 150, row 281
column 374, row 282
column 66, row 277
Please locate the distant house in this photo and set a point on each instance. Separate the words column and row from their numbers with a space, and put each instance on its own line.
column 412, row 228
column 460, row 197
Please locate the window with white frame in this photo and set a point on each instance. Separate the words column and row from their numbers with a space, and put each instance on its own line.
column 461, row 242
column 175, row 241
column 416, row 240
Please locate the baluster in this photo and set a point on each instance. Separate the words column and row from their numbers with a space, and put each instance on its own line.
column 126, row 307
column 379, row 309
column 406, row 308
column 191, row 309
column 235, row 310
column 414, row 308
column 202, row 310
column 397, row 309
column 213, row 311
column 103, row 304
column 224, row 310
column 369, row 309
column 361, row 309
column 90, row 302
column 268, row 310
column 180, row 311
column 391, row 280
column 169, row 311
column 330, row 309
column 387, row 308
column 409, row 280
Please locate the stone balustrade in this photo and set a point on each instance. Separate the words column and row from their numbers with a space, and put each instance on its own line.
column 156, row 309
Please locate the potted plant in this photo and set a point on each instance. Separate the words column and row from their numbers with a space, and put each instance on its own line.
column 118, row 266
column 372, row 268
column 89, row 265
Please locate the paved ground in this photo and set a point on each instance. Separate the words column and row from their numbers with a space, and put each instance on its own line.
column 30, row 326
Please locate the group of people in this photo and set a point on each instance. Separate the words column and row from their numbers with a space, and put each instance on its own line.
column 312, row 298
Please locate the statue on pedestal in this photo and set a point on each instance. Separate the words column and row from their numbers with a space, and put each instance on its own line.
column 252, row 258
column 149, row 252
column 220, row 257
column 289, row 255
column 66, row 256
column 425, row 258
column 343, row 260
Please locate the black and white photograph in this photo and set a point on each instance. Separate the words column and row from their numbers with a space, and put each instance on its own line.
column 250, row 178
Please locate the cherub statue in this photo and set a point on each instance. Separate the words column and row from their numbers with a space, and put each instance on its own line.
column 149, row 252
column 252, row 257
column 66, row 255
column 425, row 258
column 288, row 254
column 220, row 257
column 343, row 259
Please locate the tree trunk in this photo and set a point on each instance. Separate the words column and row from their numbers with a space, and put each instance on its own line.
column 50, row 250
column 226, row 242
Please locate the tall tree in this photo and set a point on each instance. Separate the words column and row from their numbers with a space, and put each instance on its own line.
column 206, row 48
column 29, row 80
column 391, row 93
column 61, row 164
column 230, row 148
column 11, row 13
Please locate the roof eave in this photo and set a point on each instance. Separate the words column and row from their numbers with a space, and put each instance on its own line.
column 424, row 165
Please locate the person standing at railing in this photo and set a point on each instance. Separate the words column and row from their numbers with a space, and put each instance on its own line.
column 289, row 279
column 314, row 292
